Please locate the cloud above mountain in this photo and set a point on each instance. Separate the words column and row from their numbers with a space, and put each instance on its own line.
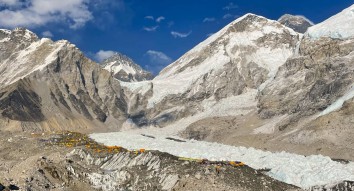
column 151, row 29
column 209, row 19
column 230, row 6
column 159, row 19
column 149, row 17
column 47, row 34
column 180, row 34
column 158, row 57
column 228, row 16
column 103, row 54
column 32, row 13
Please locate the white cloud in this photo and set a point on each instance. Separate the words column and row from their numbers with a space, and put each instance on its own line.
column 149, row 17
column 209, row 19
column 104, row 54
column 228, row 16
column 230, row 6
column 35, row 13
column 158, row 57
column 159, row 19
column 47, row 34
column 180, row 35
column 151, row 29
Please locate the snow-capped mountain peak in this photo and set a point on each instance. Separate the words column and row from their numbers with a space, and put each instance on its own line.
column 125, row 69
column 250, row 25
column 340, row 25
column 245, row 42
column 297, row 22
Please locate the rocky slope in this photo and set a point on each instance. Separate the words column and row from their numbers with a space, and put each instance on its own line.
column 298, row 23
column 123, row 68
column 48, row 85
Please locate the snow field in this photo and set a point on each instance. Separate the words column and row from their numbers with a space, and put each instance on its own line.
column 337, row 26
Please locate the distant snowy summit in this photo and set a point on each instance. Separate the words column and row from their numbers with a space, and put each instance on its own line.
column 340, row 26
column 125, row 69
column 296, row 22
column 18, row 35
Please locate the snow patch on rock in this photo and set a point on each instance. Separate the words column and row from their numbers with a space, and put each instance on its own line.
column 338, row 103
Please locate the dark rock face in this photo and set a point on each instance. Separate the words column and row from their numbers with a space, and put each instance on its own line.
column 21, row 104
column 297, row 23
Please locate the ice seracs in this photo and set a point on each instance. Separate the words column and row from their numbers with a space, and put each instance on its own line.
column 340, row 25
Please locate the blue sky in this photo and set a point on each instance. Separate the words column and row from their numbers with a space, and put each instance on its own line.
column 152, row 32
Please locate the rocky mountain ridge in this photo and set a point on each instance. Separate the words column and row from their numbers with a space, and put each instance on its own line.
column 125, row 69
column 50, row 85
